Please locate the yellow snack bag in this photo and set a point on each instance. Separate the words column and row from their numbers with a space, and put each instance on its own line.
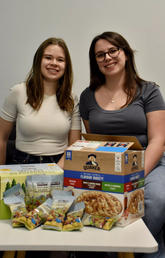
column 73, row 217
column 37, row 216
column 97, row 221
column 14, row 198
column 62, row 200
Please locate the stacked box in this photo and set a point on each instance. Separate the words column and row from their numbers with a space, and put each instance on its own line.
column 11, row 175
column 108, row 167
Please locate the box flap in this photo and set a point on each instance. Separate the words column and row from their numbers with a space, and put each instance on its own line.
column 118, row 138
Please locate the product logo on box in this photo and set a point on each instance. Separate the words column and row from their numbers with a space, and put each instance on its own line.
column 91, row 163
column 135, row 162
column 68, row 155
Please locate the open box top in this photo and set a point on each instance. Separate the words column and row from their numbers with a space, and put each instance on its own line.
column 117, row 138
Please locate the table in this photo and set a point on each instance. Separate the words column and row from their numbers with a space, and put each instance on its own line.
column 132, row 238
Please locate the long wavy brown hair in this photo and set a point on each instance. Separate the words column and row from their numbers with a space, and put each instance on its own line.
column 132, row 80
column 34, row 81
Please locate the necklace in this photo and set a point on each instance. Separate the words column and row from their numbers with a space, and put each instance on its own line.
column 113, row 100
column 109, row 95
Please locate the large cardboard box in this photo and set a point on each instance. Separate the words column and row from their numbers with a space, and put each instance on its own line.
column 113, row 165
column 11, row 175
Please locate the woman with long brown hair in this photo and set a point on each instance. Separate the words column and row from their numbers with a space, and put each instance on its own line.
column 119, row 102
column 44, row 108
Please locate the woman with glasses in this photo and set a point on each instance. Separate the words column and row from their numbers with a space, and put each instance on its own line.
column 119, row 102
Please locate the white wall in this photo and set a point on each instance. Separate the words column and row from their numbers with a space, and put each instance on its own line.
column 24, row 24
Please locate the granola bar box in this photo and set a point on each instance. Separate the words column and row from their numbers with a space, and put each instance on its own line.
column 107, row 173
column 11, row 175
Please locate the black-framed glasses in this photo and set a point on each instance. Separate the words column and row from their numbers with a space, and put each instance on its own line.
column 112, row 52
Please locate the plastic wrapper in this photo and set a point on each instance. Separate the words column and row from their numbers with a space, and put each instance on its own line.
column 14, row 198
column 39, row 187
column 73, row 217
column 61, row 202
column 97, row 221
column 37, row 216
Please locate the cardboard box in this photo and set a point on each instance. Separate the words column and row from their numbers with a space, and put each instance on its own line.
column 14, row 174
column 108, row 164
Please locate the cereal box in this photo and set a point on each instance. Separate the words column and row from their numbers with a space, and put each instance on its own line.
column 107, row 173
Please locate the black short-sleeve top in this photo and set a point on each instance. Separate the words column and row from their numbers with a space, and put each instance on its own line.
column 130, row 120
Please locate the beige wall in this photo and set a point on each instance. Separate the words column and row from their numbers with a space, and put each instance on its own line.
column 24, row 24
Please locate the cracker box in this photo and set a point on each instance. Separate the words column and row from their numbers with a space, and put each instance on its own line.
column 107, row 173
column 11, row 175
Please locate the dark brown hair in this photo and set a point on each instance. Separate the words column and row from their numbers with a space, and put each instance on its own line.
column 132, row 79
column 34, row 81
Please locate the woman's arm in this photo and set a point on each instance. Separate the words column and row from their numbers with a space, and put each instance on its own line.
column 73, row 136
column 5, row 130
column 86, row 124
column 156, row 139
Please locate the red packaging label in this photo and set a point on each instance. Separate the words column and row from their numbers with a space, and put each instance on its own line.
column 72, row 182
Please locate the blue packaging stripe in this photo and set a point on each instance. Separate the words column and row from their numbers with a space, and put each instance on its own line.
column 111, row 149
column 104, row 177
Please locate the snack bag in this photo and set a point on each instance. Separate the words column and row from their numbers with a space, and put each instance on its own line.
column 73, row 217
column 62, row 200
column 56, row 193
column 14, row 198
column 98, row 221
column 37, row 216
column 39, row 187
column 29, row 193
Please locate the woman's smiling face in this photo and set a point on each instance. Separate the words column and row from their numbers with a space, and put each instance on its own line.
column 110, row 65
column 53, row 63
